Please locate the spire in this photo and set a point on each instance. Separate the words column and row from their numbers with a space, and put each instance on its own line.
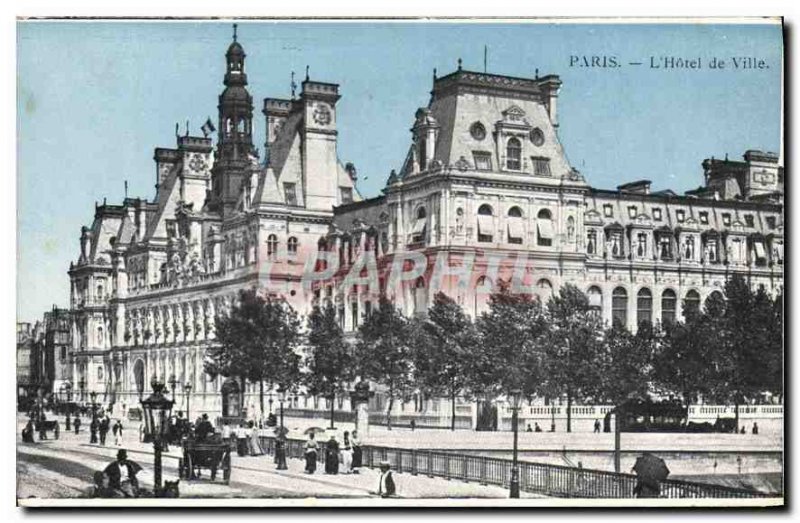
column 234, row 31
column 293, row 85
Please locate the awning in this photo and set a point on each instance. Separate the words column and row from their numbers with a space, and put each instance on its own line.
column 419, row 226
column 545, row 228
column 595, row 299
column 515, row 228
column 761, row 253
column 485, row 225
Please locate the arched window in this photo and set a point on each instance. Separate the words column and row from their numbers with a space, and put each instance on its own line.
column 544, row 289
column 544, row 227
column 595, row 296
column 272, row 246
column 644, row 306
column 570, row 228
column 691, row 303
column 513, row 154
column 619, row 306
column 291, row 245
column 100, row 336
column 516, row 229
column 668, row 304
column 100, row 291
column 420, row 226
column 485, row 223
column 420, row 298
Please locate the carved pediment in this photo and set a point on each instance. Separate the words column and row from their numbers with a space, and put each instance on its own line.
column 514, row 114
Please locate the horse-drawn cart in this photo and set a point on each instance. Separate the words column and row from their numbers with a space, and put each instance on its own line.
column 212, row 455
column 48, row 425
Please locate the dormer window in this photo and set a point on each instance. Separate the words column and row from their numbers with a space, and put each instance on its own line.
column 680, row 215
column 290, row 191
column 483, row 160
column 346, row 194
column 514, row 154
column 541, row 166
column 726, row 219
column 748, row 220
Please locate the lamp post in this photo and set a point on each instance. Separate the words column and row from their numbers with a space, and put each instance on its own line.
column 93, row 396
column 157, row 409
column 270, row 403
column 82, row 386
column 280, row 447
column 516, row 398
column 188, row 389
column 173, row 384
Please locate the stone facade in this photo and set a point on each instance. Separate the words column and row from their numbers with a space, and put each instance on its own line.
column 486, row 193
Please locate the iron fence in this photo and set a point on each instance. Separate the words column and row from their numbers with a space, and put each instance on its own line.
column 537, row 478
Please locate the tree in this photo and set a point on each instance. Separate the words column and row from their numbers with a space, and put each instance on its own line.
column 571, row 347
column 383, row 352
column 257, row 341
column 444, row 344
column 511, row 357
column 626, row 362
column 328, row 357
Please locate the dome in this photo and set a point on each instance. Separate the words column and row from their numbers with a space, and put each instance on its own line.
column 236, row 92
column 235, row 49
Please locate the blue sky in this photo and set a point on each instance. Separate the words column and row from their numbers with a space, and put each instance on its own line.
column 95, row 99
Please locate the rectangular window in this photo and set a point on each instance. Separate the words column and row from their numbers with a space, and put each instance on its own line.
column 704, row 217
column 608, row 210
column 726, row 219
column 632, row 211
column 541, row 166
column 680, row 215
column 771, row 222
column 347, row 194
column 290, row 191
column 483, row 160
column 748, row 220
column 657, row 214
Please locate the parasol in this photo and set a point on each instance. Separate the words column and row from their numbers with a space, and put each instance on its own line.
column 650, row 468
column 314, row 430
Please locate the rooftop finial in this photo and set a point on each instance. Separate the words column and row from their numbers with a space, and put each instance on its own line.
column 536, row 74
column 177, row 127
column 459, row 64
column 434, row 74
column 234, row 31
column 187, row 127
column 307, row 73
column 293, row 85
column 726, row 157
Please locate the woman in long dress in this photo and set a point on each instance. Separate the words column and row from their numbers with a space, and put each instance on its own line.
column 255, row 440
column 347, row 454
column 311, row 454
column 332, row 456
column 357, row 456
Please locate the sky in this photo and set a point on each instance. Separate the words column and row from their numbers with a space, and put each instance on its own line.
column 95, row 98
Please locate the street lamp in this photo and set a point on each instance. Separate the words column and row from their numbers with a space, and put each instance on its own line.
column 173, row 384
column 270, row 403
column 280, row 447
column 157, row 410
column 82, row 386
column 515, row 397
column 93, row 396
column 188, row 389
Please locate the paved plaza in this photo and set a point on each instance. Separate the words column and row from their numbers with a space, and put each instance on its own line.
column 64, row 468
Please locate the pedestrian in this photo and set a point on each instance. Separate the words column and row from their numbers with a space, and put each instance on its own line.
column 27, row 432
column 536, row 427
column 280, row 452
column 332, row 456
column 255, row 441
column 597, row 426
column 357, row 453
column 117, row 433
column 122, row 475
column 104, row 426
column 204, row 428
column 755, row 428
column 41, row 427
column 67, row 422
column 742, row 431
column 311, row 454
column 386, row 487
column 77, row 424
column 347, row 454
column 101, row 488
column 552, row 427
column 93, row 426
column 226, row 434
column 241, row 440
column 413, row 425
column 529, row 429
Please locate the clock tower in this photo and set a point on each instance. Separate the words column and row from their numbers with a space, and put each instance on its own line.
column 235, row 152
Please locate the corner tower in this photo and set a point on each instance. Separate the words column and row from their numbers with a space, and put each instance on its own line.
column 235, row 151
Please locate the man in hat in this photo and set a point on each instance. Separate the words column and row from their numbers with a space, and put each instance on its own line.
column 122, row 475
column 386, row 486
